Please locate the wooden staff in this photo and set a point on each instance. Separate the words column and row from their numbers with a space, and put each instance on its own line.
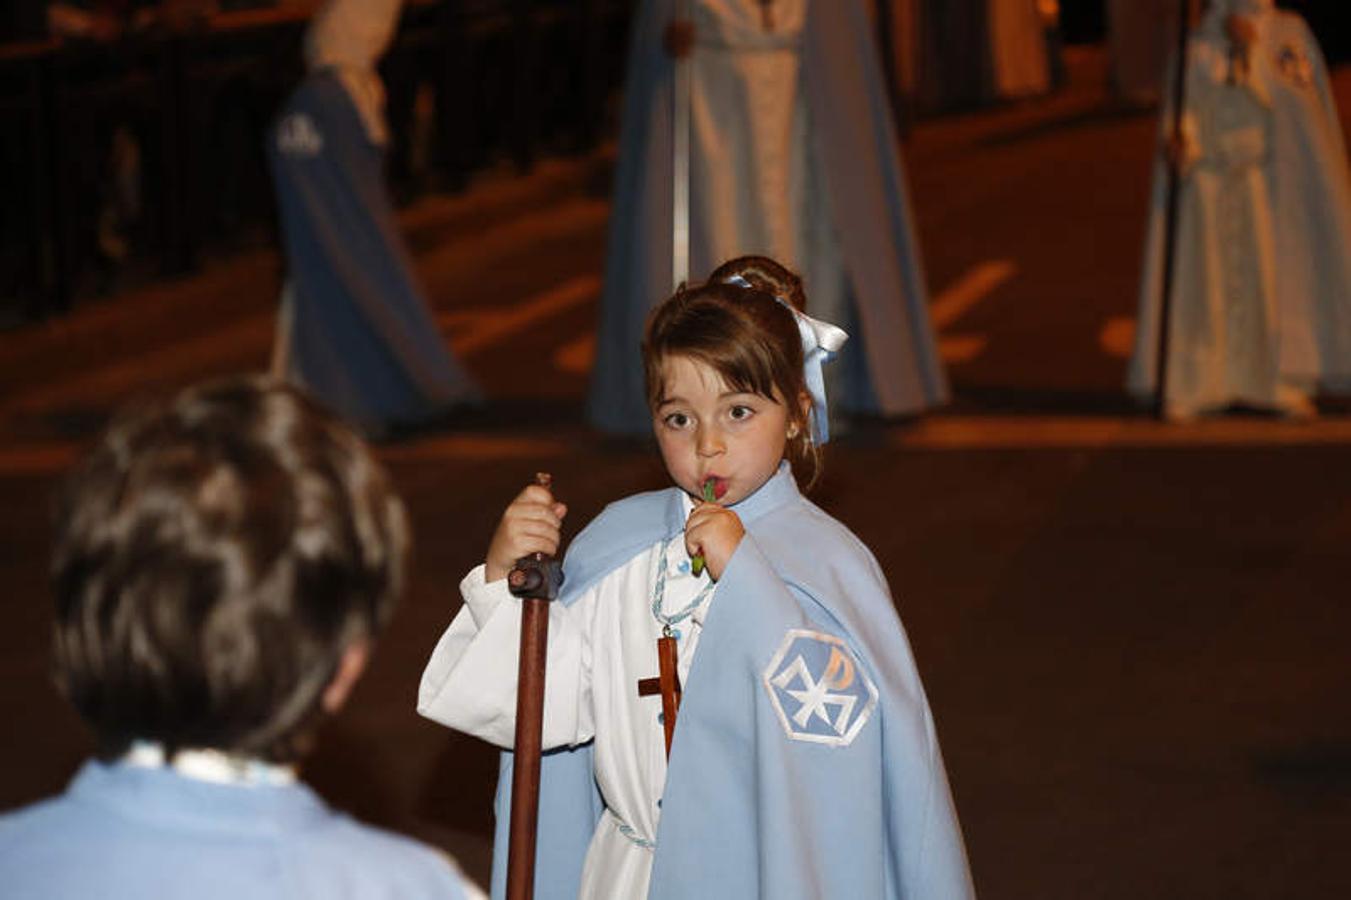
column 536, row 580
column 1179, row 94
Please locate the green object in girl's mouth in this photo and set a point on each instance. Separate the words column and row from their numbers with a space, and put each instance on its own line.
column 710, row 490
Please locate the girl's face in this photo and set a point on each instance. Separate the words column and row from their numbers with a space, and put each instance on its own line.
column 707, row 429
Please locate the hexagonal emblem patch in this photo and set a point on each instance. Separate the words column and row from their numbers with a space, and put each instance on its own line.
column 819, row 691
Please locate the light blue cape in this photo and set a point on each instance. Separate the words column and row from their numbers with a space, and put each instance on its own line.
column 749, row 811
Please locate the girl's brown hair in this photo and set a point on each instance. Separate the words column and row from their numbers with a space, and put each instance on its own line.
column 765, row 274
column 746, row 336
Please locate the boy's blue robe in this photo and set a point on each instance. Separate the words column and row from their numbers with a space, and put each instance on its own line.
column 747, row 810
column 363, row 339
column 855, row 137
column 128, row 833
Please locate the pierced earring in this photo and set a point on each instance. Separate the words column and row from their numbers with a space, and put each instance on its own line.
column 792, row 431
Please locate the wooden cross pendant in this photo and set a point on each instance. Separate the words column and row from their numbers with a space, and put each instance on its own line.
column 667, row 684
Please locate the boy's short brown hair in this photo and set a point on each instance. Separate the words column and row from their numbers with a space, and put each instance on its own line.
column 214, row 557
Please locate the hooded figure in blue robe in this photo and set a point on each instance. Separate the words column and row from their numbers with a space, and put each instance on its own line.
column 805, row 762
column 1261, row 305
column 793, row 156
column 355, row 330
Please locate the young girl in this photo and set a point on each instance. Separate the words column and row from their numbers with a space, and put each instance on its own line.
column 804, row 761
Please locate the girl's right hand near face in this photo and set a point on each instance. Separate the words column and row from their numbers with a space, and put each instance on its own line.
column 713, row 532
column 531, row 524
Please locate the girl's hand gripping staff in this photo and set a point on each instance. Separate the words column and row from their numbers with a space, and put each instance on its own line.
column 536, row 579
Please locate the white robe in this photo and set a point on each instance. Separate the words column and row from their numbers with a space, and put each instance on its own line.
column 793, row 154
column 1261, row 303
column 758, row 188
column 599, row 648
column 1221, row 348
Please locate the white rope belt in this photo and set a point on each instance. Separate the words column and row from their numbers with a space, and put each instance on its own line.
column 629, row 832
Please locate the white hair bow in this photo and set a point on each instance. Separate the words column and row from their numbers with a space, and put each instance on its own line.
column 820, row 342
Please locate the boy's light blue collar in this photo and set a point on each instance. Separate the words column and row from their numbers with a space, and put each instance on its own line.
column 209, row 765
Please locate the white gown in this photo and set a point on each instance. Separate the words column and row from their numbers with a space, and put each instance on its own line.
column 1224, row 350
column 758, row 187
column 599, row 648
column 1261, row 303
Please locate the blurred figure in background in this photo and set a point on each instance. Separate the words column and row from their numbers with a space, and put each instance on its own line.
column 793, row 155
column 354, row 327
column 1261, row 302
column 955, row 54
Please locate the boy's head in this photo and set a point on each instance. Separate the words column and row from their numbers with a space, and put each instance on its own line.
column 221, row 562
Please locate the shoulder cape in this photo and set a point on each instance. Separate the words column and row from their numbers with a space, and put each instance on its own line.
column 805, row 762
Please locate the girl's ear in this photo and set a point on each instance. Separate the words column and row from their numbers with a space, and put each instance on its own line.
column 804, row 402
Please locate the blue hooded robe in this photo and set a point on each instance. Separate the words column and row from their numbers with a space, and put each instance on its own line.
column 891, row 366
column 772, row 790
column 362, row 338
column 123, row 832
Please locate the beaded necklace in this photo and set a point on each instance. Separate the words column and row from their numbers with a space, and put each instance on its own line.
column 668, row 623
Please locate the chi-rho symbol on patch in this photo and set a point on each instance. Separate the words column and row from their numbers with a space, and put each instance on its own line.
column 819, row 691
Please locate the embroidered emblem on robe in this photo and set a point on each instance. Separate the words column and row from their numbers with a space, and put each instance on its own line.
column 819, row 691
column 297, row 136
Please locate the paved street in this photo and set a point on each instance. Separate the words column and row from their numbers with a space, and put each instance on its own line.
column 1132, row 633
